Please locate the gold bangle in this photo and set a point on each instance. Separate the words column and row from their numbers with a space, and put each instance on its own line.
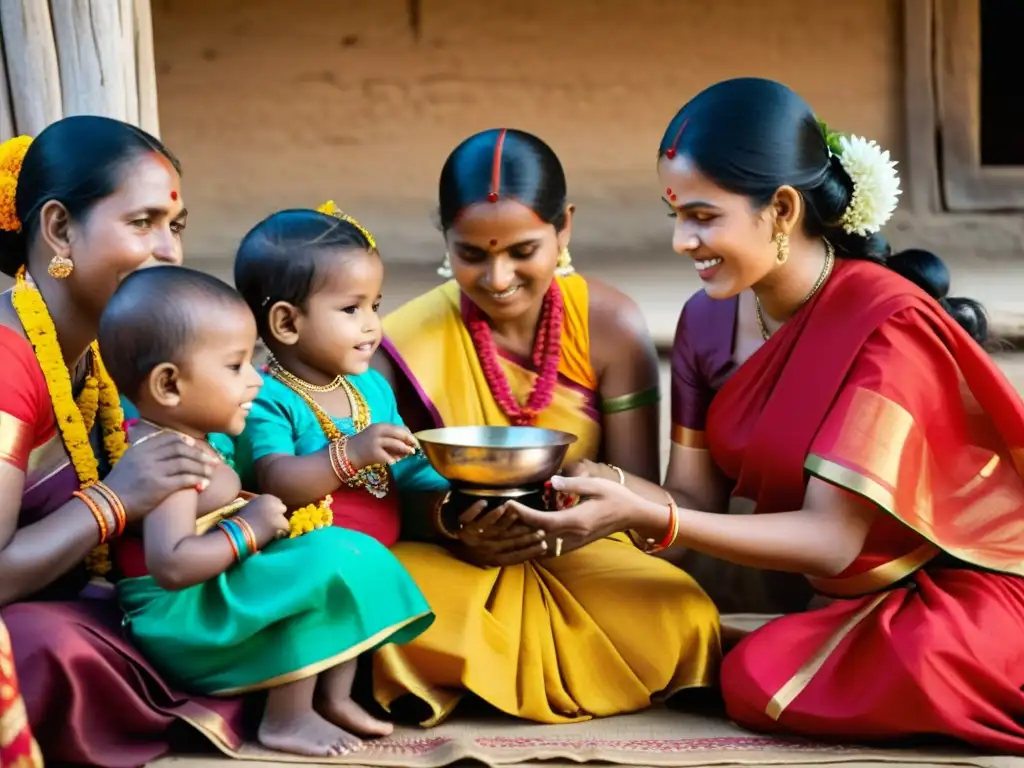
column 439, row 517
column 617, row 471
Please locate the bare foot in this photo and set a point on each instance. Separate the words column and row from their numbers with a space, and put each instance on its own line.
column 338, row 707
column 350, row 715
column 306, row 734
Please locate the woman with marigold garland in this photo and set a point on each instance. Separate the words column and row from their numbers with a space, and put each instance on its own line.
column 517, row 338
column 834, row 389
column 87, row 202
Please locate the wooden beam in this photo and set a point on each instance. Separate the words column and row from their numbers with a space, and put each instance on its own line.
column 968, row 186
column 921, row 153
column 6, row 111
column 129, row 72
column 89, row 53
column 149, row 115
column 31, row 56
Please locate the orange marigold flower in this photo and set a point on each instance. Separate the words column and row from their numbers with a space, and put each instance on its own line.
column 12, row 154
column 8, row 215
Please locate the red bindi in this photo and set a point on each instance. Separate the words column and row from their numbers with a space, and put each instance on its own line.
column 174, row 194
column 672, row 198
column 668, row 191
column 493, row 243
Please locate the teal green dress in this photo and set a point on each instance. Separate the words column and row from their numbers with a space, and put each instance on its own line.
column 281, row 422
column 299, row 607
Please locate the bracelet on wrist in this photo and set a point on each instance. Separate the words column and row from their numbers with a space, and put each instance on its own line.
column 619, row 473
column 343, row 468
column 651, row 546
column 237, row 538
column 248, row 533
column 116, row 506
column 438, row 517
column 106, row 509
column 97, row 513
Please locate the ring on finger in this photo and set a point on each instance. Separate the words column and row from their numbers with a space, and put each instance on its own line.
column 558, row 546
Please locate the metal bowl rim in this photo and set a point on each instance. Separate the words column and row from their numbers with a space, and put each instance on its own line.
column 568, row 438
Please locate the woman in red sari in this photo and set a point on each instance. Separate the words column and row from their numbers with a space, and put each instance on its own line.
column 835, row 391
column 84, row 204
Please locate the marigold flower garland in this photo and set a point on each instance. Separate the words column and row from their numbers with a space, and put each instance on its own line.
column 71, row 417
column 311, row 517
column 12, row 154
column 547, row 355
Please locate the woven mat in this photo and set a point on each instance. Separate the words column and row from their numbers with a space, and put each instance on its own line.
column 658, row 737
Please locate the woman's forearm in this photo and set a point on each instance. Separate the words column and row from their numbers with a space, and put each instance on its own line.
column 803, row 541
column 656, row 493
column 40, row 553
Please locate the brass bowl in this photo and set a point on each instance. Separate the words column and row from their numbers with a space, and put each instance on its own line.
column 495, row 457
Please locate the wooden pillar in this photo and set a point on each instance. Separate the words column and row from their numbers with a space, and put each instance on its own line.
column 6, row 111
column 31, row 57
column 77, row 57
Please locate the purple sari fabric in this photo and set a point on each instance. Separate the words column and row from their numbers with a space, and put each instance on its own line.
column 702, row 361
column 91, row 697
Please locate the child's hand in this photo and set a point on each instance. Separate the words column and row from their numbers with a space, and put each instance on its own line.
column 380, row 444
column 268, row 517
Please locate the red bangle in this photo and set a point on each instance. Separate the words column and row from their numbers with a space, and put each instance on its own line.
column 97, row 513
column 673, row 527
column 342, row 467
column 231, row 541
column 120, row 515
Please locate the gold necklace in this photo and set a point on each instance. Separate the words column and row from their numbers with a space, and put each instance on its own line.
column 830, row 256
column 287, row 376
column 374, row 478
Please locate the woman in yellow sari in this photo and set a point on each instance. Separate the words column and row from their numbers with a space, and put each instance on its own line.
column 518, row 338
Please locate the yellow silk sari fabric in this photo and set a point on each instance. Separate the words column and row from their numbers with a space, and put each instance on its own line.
column 596, row 632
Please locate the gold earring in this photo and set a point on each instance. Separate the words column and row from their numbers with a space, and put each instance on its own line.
column 60, row 267
column 445, row 270
column 781, row 248
column 564, row 267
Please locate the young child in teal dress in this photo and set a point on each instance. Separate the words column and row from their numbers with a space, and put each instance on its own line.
column 325, row 425
column 224, row 594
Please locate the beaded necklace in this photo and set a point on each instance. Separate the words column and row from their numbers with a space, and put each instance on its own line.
column 547, row 355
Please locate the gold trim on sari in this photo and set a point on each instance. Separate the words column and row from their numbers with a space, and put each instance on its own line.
column 971, row 509
column 878, row 578
column 15, row 441
column 315, row 669
column 688, row 438
column 803, row 676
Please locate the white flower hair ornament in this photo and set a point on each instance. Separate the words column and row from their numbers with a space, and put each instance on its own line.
column 876, row 185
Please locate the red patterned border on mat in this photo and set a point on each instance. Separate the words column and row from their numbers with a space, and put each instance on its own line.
column 736, row 743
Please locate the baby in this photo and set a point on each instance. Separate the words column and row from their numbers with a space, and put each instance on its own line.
column 206, row 611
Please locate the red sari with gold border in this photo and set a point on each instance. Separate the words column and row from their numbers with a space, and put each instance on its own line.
column 18, row 749
column 874, row 388
column 90, row 696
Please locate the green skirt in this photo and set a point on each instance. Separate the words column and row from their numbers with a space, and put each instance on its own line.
column 297, row 608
